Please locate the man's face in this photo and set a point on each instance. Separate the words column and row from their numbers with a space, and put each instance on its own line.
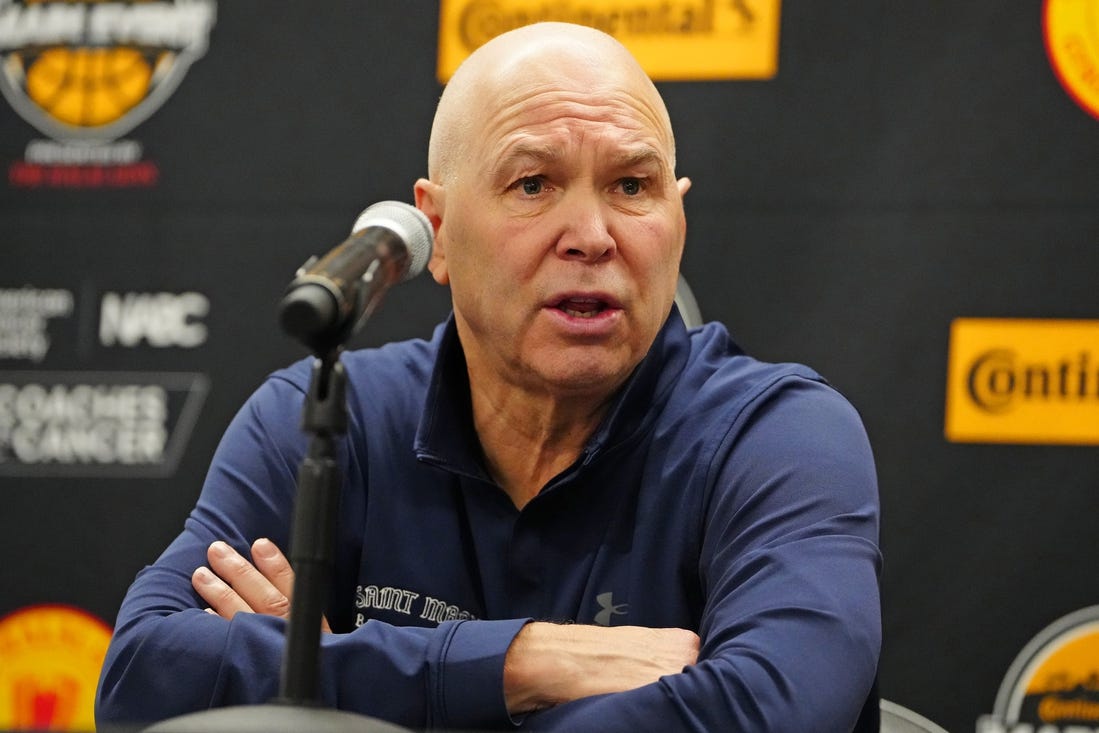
column 561, row 235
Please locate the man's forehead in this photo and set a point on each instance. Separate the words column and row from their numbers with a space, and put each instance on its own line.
column 577, row 99
column 544, row 74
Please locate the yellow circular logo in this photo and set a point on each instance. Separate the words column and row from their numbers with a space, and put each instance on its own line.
column 50, row 657
column 1071, row 29
column 1053, row 685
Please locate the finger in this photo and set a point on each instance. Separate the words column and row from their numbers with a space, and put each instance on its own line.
column 223, row 600
column 277, row 569
column 273, row 565
column 249, row 583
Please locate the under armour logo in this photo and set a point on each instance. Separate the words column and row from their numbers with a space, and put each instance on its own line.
column 610, row 608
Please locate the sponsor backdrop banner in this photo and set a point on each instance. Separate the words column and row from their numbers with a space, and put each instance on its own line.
column 904, row 196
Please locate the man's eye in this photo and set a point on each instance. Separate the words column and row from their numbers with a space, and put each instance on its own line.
column 632, row 186
column 530, row 186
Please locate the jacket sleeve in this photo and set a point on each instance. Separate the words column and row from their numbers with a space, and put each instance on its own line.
column 169, row 657
column 791, row 625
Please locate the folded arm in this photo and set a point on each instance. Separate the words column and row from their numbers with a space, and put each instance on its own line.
column 545, row 665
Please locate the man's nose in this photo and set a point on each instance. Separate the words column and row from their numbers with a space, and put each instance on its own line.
column 585, row 233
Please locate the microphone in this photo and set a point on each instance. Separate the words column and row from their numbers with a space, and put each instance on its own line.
column 332, row 297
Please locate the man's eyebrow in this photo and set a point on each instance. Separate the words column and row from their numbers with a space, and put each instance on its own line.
column 637, row 157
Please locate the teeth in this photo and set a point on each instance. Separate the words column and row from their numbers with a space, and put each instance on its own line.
column 579, row 314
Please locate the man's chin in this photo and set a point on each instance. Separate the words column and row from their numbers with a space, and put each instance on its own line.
column 584, row 377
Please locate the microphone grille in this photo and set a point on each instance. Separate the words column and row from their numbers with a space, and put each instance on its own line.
column 409, row 223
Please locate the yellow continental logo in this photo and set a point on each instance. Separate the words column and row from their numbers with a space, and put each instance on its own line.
column 1053, row 684
column 704, row 39
column 50, row 658
column 1023, row 381
column 1071, row 29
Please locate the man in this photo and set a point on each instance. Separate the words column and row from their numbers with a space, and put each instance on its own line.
column 565, row 509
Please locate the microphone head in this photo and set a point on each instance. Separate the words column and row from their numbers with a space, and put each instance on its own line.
column 408, row 223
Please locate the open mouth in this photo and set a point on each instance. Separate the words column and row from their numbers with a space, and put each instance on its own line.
column 582, row 307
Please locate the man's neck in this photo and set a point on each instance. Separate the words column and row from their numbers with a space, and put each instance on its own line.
column 530, row 438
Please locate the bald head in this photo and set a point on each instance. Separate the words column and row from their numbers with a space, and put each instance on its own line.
column 513, row 65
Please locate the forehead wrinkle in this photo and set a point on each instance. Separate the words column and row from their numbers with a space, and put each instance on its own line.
column 525, row 150
column 552, row 102
column 535, row 125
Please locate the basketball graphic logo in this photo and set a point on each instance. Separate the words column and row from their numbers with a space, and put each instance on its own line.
column 91, row 71
column 88, row 87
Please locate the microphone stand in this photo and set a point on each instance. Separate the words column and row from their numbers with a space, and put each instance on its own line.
column 322, row 308
column 297, row 709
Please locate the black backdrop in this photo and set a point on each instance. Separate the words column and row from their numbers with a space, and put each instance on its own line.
column 911, row 163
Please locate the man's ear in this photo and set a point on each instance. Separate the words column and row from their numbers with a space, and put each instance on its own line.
column 684, row 185
column 431, row 199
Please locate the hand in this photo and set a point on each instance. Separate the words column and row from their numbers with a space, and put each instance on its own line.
column 548, row 664
column 233, row 585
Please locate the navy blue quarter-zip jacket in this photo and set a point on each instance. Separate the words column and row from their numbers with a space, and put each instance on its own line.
column 720, row 494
